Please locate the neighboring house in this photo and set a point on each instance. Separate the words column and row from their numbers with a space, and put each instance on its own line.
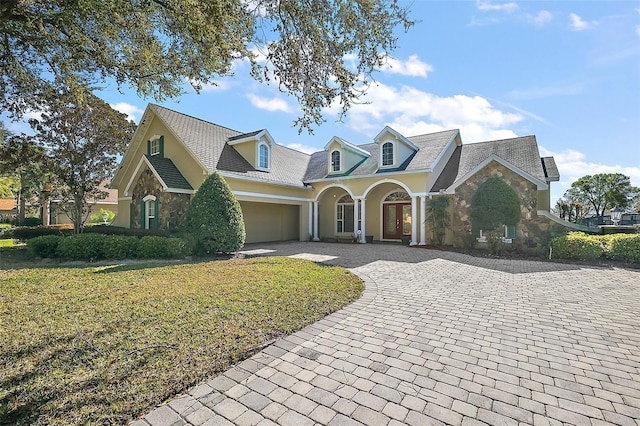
column 628, row 219
column 380, row 189
column 57, row 215
column 8, row 209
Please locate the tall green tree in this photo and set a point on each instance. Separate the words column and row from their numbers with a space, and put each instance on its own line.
column 214, row 218
column 603, row 191
column 439, row 218
column 494, row 204
column 24, row 161
column 82, row 137
column 318, row 51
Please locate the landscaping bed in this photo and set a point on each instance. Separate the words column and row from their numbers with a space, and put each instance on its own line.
column 104, row 344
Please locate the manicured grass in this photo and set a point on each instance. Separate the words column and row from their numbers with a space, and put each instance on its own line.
column 103, row 345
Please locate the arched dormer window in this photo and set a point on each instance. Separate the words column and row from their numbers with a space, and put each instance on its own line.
column 264, row 157
column 336, row 164
column 387, row 154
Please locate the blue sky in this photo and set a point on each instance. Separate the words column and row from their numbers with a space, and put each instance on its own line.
column 565, row 71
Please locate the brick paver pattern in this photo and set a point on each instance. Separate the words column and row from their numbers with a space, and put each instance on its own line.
column 441, row 338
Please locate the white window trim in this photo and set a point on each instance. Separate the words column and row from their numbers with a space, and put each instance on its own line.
column 483, row 238
column 339, row 151
column 258, row 166
column 154, row 142
column 148, row 200
column 395, row 154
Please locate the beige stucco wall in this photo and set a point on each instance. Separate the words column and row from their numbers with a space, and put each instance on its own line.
column 249, row 151
column 270, row 222
column 59, row 217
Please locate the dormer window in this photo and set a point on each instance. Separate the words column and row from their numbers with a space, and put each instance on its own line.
column 264, row 157
column 387, row 154
column 155, row 146
column 335, row 161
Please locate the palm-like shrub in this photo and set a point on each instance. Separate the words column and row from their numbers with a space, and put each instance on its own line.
column 214, row 218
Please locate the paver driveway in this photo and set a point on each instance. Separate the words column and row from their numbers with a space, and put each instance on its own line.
column 441, row 338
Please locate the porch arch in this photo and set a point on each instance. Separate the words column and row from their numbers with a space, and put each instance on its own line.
column 333, row 185
column 393, row 181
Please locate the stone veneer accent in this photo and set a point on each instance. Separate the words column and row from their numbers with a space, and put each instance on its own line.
column 172, row 207
column 531, row 230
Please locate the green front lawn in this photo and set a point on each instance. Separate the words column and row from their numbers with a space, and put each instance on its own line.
column 103, row 345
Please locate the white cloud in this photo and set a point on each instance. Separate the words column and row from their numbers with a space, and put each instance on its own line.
column 573, row 165
column 487, row 6
column 638, row 30
column 541, row 18
column 578, row 24
column 412, row 111
column 131, row 110
column 562, row 88
column 273, row 104
column 413, row 67
column 307, row 149
column 32, row 114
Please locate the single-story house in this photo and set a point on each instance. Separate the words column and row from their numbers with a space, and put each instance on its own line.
column 55, row 215
column 379, row 190
column 8, row 209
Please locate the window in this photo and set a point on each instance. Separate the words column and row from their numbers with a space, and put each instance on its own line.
column 508, row 236
column 150, row 212
column 398, row 196
column 344, row 215
column 335, row 161
column 263, row 156
column 154, row 147
column 387, row 154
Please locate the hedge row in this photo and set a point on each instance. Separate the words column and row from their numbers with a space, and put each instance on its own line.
column 580, row 246
column 91, row 246
column 25, row 233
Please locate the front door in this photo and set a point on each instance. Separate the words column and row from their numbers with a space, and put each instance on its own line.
column 397, row 220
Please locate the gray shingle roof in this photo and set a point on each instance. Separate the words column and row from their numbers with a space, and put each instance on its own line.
column 550, row 169
column 208, row 142
column 430, row 146
column 168, row 172
column 521, row 152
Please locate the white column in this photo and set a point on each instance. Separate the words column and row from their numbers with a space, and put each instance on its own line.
column 315, row 221
column 356, row 205
column 362, row 224
column 423, row 220
column 414, row 221
column 310, row 219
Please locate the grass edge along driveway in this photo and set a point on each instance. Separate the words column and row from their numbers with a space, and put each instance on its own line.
column 102, row 345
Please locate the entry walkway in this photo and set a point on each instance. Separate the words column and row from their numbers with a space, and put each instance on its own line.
column 441, row 338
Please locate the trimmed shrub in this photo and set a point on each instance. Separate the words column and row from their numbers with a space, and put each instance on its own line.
column 44, row 246
column 624, row 247
column 24, row 233
column 215, row 218
column 120, row 247
column 82, row 247
column 117, row 230
column 32, row 221
column 494, row 204
column 152, row 247
column 577, row 246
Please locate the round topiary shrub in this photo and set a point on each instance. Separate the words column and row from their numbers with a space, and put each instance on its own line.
column 493, row 205
column 44, row 246
column 214, row 218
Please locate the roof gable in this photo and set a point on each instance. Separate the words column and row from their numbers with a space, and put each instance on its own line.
column 348, row 146
column 395, row 135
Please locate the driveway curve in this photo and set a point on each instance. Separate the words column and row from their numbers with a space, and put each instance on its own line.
column 441, row 338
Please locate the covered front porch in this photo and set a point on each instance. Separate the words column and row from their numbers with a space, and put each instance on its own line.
column 385, row 211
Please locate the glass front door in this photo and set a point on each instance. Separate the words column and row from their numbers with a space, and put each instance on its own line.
column 397, row 220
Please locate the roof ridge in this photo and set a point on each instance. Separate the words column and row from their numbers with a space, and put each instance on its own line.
column 433, row 133
column 502, row 140
column 294, row 150
column 196, row 118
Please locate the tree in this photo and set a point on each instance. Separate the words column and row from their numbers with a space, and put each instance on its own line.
column 571, row 209
column 439, row 217
column 214, row 218
column 82, row 138
column 603, row 191
column 318, row 51
column 23, row 161
column 494, row 204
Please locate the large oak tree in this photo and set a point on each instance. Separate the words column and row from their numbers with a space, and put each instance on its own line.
column 319, row 51
column 603, row 191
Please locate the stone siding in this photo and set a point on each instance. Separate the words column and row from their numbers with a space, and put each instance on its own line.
column 172, row 208
column 531, row 230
